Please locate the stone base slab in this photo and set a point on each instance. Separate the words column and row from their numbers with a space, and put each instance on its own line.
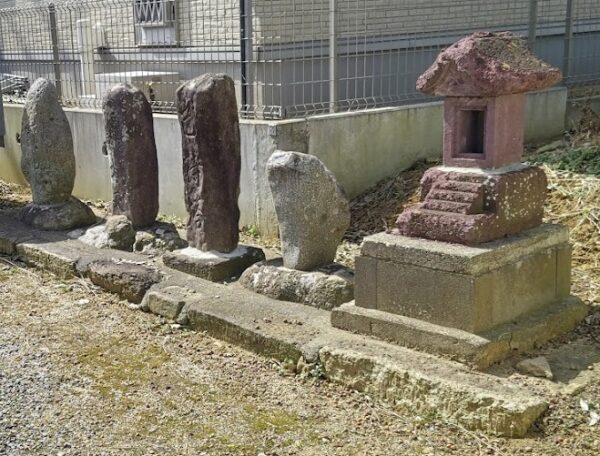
column 480, row 351
column 58, row 217
column 213, row 266
column 325, row 288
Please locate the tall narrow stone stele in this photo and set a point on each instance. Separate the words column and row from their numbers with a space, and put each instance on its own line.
column 48, row 163
column 132, row 151
column 208, row 115
column 211, row 161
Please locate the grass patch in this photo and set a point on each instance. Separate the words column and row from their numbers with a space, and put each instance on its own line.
column 581, row 160
column 116, row 365
column 277, row 421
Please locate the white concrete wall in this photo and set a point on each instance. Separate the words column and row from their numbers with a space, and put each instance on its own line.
column 360, row 148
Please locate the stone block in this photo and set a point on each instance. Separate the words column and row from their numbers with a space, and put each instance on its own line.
column 469, row 288
column 58, row 217
column 367, row 269
column 166, row 305
column 214, row 266
column 326, row 287
column 128, row 280
column 514, row 200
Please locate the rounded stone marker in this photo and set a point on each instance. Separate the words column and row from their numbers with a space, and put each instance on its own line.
column 47, row 159
column 208, row 114
column 312, row 209
column 131, row 148
column 48, row 163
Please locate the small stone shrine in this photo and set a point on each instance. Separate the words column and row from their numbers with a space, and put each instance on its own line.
column 313, row 214
column 208, row 114
column 48, row 163
column 499, row 280
column 131, row 149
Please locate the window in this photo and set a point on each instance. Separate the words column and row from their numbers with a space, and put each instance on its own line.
column 155, row 22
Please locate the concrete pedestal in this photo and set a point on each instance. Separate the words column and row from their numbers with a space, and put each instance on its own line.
column 213, row 266
column 476, row 303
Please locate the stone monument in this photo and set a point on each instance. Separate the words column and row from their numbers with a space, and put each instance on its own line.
column 131, row 149
column 208, row 114
column 313, row 215
column 499, row 280
column 48, row 163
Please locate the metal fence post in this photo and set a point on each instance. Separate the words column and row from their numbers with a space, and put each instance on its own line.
column 55, row 54
column 568, row 40
column 533, row 18
column 246, row 55
column 333, row 51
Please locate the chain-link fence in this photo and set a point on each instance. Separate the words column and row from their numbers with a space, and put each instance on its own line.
column 289, row 58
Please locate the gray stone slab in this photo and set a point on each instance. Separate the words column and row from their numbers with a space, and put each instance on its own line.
column 419, row 381
column 214, row 266
column 473, row 297
column 459, row 258
column 479, row 350
column 326, row 287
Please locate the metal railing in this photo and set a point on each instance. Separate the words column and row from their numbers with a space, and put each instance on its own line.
column 289, row 58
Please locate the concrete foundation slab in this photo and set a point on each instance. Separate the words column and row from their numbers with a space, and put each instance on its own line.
column 213, row 266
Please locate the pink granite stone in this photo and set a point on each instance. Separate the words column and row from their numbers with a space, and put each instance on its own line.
column 487, row 65
column 472, row 208
column 499, row 141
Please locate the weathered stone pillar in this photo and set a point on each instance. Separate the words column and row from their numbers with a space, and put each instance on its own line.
column 48, row 160
column 48, row 163
column 313, row 214
column 132, row 151
column 208, row 114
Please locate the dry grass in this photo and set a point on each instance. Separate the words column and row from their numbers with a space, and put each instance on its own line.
column 574, row 200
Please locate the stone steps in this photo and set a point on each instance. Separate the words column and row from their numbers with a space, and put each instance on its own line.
column 458, row 186
column 447, row 206
column 459, row 197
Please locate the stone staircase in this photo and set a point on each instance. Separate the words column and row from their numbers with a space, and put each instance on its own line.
column 457, row 194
